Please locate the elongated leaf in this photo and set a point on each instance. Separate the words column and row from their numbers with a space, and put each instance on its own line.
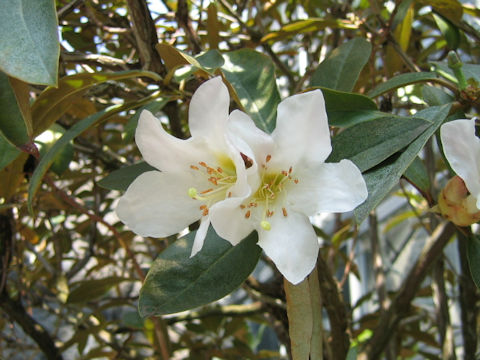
column 88, row 290
column 300, row 320
column 402, row 80
column 346, row 109
column 8, row 152
column 252, row 76
column 177, row 282
column 29, row 48
column 12, row 123
column 449, row 31
column 368, row 144
column 417, row 174
column 473, row 254
column 380, row 180
column 120, row 179
column 434, row 96
column 308, row 25
column 340, row 70
column 55, row 101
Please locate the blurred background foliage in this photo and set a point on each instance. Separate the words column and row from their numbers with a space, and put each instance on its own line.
column 71, row 272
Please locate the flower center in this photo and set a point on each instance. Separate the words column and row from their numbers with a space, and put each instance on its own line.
column 273, row 187
column 220, row 179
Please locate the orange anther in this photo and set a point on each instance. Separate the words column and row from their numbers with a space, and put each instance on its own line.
column 202, row 163
column 203, row 207
column 295, row 181
column 284, row 212
column 194, row 167
column 219, row 169
column 206, row 191
column 205, row 212
column 290, row 170
column 229, row 194
column 242, row 206
column 247, row 214
column 267, row 159
column 213, row 180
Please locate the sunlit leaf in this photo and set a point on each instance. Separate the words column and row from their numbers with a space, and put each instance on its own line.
column 29, row 48
column 178, row 282
column 340, row 70
column 252, row 76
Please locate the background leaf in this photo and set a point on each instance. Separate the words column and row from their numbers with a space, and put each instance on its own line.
column 120, row 179
column 402, row 80
column 177, row 282
column 12, row 123
column 340, row 70
column 53, row 102
column 252, row 76
column 473, row 254
column 29, row 48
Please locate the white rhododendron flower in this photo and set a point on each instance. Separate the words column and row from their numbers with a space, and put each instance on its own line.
column 462, row 150
column 294, row 183
column 194, row 175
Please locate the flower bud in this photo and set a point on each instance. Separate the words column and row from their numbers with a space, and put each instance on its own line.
column 456, row 204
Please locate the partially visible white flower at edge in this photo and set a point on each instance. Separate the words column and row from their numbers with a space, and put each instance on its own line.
column 194, row 175
column 462, row 150
column 294, row 183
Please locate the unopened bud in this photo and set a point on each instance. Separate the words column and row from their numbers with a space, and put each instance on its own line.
column 457, row 205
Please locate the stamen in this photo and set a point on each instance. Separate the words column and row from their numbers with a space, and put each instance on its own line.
column 206, row 191
column 242, row 206
column 290, row 170
column 267, row 159
column 203, row 207
column 202, row 163
column 284, row 212
column 247, row 214
column 205, row 212
column 194, row 167
column 265, row 225
column 220, row 170
column 295, row 181
column 229, row 194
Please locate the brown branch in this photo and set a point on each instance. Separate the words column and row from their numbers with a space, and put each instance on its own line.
column 336, row 310
column 17, row 313
column 145, row 36
column 401, row 304
column 185, row 23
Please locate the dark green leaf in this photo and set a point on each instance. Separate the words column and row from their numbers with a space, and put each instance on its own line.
column 12, row 123
column 88, row 290
column 418, row 175
column 252, row 76
column 381, row 179
column 120, row 179
column 435, row 96
column 340, row 70
column 367, row 144
column 29, row 48
column 346, row 109
column 177, row 282
column 449, row 31
column 473, row 254
column 402, row 80
column 8, row 152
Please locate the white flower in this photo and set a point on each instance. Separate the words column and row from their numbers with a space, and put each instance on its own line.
column 462, row 150
column 294, row 183
column 195, row 174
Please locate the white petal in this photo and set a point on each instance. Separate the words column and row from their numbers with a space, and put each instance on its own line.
column 328, row 187
column 164, row 151
column 302, row 129
column 157, row 204
column 200, row 236
column 462, row 150
column 291, row 244
column 249, row 139
column 208, row 110
column 229, row 220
